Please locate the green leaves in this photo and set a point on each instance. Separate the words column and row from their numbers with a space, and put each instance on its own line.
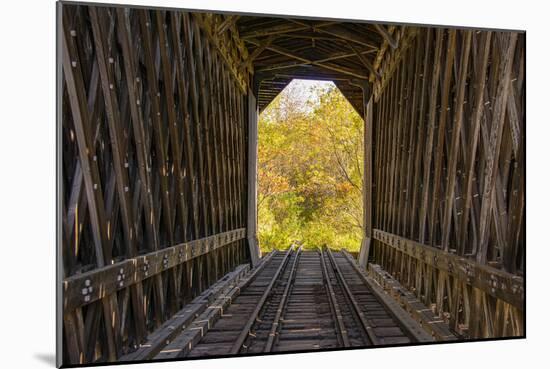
column 310, row 169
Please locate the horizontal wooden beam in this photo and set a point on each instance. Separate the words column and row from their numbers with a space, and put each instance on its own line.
column 338, row 31
column 183, row 318
column 437, row 327
column 336, row 56
column 281, row 29
column 293, row 55
column 82, row 289
column 497, row 283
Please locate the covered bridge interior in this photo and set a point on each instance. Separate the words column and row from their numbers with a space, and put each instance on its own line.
column 159, row 113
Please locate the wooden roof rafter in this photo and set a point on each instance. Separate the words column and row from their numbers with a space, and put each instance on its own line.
column 327, row 59
column 340, row 32
column 387, row 36
column 306, row 61
column 283, row 48
column 227, row 23
column 285, row 28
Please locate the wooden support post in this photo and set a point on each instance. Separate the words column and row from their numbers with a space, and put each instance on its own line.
column 252, row 220
column 367, row 176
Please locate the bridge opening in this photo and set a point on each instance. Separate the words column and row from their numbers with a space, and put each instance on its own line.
column 310, row 169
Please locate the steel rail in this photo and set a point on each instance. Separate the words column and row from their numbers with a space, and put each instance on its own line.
column 362, row 318
column 282, row 304
column 405, row 321
column 233, row 293
column 246, row 329
column 341, row 328
column 264, row 261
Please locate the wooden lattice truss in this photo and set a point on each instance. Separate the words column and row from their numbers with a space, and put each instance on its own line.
column 449, row 176
column 154, row 171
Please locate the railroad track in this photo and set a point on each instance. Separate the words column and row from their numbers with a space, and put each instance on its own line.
column 298, row 301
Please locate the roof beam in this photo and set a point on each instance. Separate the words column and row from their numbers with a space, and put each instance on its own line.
column 284, row 28
column 260, row 49
column 316, row 77
column 306, row 61
column 387, row 36
column 340, row 32
column 227, row 23
column 311, row 35
column 316, row 62
column 248, row 63
column 364, row 60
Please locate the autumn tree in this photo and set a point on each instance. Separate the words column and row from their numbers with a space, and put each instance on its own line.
column 310, row 169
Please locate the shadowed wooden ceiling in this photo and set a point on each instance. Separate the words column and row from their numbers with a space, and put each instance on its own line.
column 281, row 49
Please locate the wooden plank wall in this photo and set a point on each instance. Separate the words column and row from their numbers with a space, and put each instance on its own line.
column 154, row 139
column 449, row 175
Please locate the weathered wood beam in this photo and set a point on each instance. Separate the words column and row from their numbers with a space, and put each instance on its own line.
column 282, row 29
column 414, row 137
column 138, row 124
column 386, row 35
column 363, row 60
column 228, row 148
column 216, row 101
column 480, row 79
column 324, row 65
column 386, row 62
column 399, row 127
column 260, row 48
column 252, row 180
column 337, row 56
column 409, row 99
column 72, row 67
column 493, row 151
column 131, row 74
column 94, row 193
column 227, row 23
column 315, row 37
column 429, row 139
column 205, row 130
column 444, row 107
column 338, row 31
column 111, row 278
column 189, row 337
column 368, row 162
column 159, row 138
column 160, row 141
column 77, row 207
column 183, row 318
column 455, row 139
column 229, row 45
column 196, row 121
column 497, row 283
column 166, row 66
column 183, row 94
column 108, row 84
column 420, row 312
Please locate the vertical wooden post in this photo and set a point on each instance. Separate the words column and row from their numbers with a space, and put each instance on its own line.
column 252, row 212
column 367, row 176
